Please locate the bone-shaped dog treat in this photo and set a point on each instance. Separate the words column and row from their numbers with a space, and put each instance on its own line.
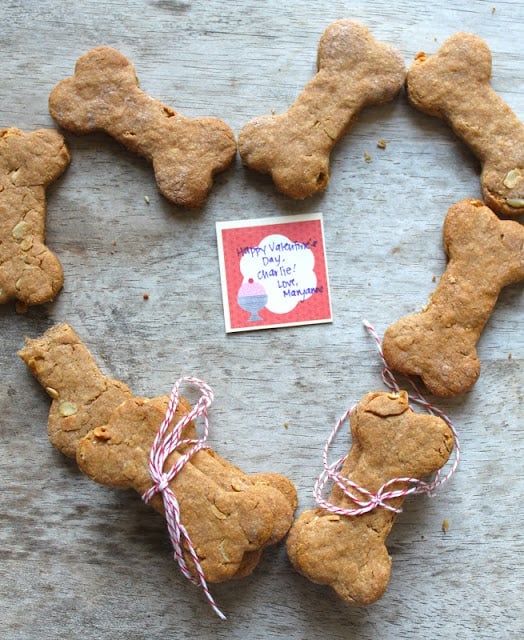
column 353, row 71
column 348, row 553
column 223, row 524
column 230, row 516
column 454, row 84
column 29, row 163
column 104, row 95
column 438, row 344
column 82, row 397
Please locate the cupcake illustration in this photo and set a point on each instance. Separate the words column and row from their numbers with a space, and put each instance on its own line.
column 252, row 297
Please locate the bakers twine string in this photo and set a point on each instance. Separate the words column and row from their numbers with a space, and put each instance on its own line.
column 163, row 445
column 381, row 498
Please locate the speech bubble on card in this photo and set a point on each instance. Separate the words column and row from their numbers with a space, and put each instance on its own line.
column 273, row 272
column 283, row 268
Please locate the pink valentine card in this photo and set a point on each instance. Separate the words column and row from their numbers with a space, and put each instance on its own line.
column 273, row 272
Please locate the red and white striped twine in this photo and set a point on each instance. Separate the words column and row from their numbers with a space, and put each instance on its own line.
column 163, row 446
column 382, row 497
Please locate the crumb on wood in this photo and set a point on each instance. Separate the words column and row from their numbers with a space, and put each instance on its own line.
column 367, row 157
column 434, row 279
column 147, row 200
column 382, row 144
column 286, row 425
column 510, row 355
column 145, row 296
column 445, row 525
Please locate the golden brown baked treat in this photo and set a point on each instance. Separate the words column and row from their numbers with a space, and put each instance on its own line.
column 104, row 95
column 29, row 163
column 454, row 84
column 348, row 553
column 82, row 397
column 438, row 344
column 226, row 514
column 229, row 515
column 353, row 71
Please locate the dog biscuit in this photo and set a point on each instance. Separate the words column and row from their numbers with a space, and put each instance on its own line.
column 294, row 147
column 348, row 553
column 438, row 344
column 103, row 95
column 454, row 84
column 29, row 162
column 230, row 516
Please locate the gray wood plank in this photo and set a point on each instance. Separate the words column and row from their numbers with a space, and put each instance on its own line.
column 84, row 561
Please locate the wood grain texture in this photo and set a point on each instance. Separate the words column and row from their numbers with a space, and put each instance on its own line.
column 79, row 560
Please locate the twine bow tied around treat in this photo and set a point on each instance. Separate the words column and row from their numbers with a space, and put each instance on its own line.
column 163, row 445
column 367, row 501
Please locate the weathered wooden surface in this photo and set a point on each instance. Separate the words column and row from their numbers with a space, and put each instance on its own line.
column 80, row 560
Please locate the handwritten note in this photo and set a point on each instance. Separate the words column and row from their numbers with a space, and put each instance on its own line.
column 273, row 272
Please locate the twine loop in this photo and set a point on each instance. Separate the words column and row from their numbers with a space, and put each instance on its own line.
column 163, row 445
column 367, row 501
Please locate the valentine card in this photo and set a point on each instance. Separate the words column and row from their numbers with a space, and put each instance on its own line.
column 273, row 272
